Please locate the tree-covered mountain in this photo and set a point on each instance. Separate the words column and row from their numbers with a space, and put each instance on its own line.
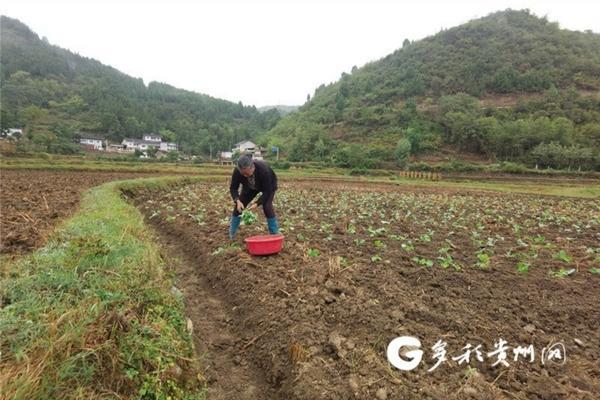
column 508, row 86
column 54, row 93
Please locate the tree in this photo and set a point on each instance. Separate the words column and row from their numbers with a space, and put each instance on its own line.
column 132, row 127
column 152, row 150
column 403, row 149
column 172, row 156
column 352, row 156
column 167, row 135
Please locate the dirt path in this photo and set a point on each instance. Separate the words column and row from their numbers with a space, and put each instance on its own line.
column 228, row 373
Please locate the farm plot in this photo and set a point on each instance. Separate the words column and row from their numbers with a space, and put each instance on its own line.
column 501, row 290
column 33, row 202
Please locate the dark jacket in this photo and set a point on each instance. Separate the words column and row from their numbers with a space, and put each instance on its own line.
column 265, row 181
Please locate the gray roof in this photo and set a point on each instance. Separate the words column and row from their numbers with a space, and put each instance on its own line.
column 140, row 141
column 244, row 141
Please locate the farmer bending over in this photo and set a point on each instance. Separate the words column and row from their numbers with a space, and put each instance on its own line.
column 255, row 177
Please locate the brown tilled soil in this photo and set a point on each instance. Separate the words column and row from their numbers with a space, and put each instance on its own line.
column 290, row 327
column 33, row 202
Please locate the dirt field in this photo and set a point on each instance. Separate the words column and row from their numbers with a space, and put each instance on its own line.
column 33, row 202
column 363, row 265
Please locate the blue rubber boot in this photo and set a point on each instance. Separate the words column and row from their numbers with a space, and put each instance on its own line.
column 272, row 224
column 235, row 224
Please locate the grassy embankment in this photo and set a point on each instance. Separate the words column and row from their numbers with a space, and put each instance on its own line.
column 94, row 313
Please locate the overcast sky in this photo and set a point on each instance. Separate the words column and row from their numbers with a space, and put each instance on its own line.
column 258, row 52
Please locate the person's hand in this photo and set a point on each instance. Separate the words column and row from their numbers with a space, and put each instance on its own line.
column 239, row 205
column 252, row 206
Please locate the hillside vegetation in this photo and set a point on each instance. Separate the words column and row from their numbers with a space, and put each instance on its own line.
column 509, row 86
column 54, row 94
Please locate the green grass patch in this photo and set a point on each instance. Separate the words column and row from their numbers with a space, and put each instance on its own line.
column 92, row 315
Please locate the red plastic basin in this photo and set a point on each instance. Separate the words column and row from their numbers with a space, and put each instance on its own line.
column 263, row 245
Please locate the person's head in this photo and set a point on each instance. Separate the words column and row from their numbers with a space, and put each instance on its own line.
column 245, row 165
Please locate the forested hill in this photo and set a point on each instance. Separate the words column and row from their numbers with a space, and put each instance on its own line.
column 55, row 93
column 501, row 86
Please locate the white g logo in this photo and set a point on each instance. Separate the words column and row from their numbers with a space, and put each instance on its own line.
column 393, row 353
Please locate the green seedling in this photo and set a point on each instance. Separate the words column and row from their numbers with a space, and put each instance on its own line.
column 248, row 217
column 483, row 260
column 563, row 256
column 423, row 261
column 313, row 252
column 523, row 266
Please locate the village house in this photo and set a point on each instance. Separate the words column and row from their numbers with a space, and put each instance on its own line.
column 148, row 140
column 11, row 133
column 150, row 137
column 243, row 147
column 168, row 146
column 92, row 141
column 226, row 155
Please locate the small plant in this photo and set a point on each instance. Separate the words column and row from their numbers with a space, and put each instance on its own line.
column 223, row 249
column 154, row 214
column 407, row 246
column 375, row 232
column 448, row 261
column 539, row 239
column 378, row 243
column 248, row 217
column 199, row 218
column 563, row 256
column 423, row 261
column 523, row 266
column 376, row 258
column 469, row 371
column 218, row 251
column 483, row 260
column 595, row 271
column 313, row 252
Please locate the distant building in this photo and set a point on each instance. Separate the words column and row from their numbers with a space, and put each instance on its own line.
column 151, row 137
column 245, row 146
column 148, row 141
column 14, row 131
column 11, row 133
column 92, row 141
column 168, row 146
column 248, row 147
column 139, row 144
